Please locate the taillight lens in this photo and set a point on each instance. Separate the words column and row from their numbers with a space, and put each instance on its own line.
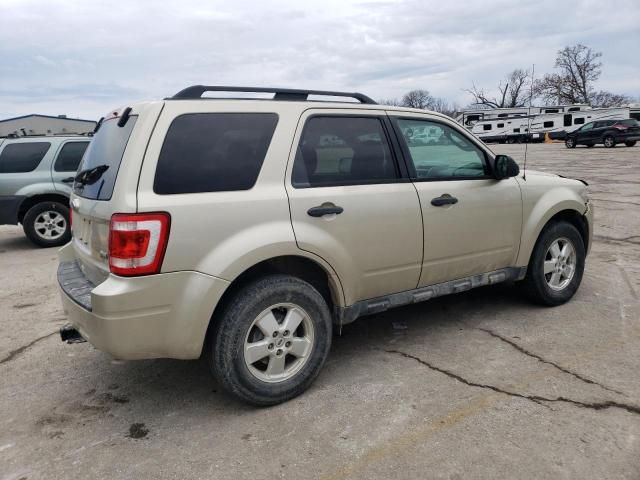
column 137, row 243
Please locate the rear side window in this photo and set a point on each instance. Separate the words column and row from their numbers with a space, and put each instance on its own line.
column 101, row 161
column 22, row 157
column 69, row 157
column 629, row 123
column 213, row 152
column 343, row 151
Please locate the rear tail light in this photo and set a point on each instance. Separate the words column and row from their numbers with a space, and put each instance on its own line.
column 137, row 243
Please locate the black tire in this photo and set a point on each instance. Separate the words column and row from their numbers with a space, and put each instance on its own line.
column 535, row 282
column 609, row 141
column 630, row 144
column 570, row 143
column 231, row 328
column 36, row 234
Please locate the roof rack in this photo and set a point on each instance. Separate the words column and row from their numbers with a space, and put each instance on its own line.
column 290, row 94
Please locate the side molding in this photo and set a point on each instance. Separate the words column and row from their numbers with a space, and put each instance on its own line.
column 349, row 314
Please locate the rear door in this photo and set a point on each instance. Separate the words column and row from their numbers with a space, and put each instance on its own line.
column 108, row 179
column 351, row 202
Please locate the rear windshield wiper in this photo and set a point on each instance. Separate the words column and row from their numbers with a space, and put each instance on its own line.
column 90, row 176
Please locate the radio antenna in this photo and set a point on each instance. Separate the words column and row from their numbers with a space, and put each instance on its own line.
column 528, row 137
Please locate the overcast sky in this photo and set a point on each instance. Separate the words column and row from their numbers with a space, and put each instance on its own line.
column 82, row 58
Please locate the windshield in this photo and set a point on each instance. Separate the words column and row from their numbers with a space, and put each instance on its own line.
column 99, row 167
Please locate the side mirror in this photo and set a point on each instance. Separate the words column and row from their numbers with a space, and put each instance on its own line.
column 505, row 167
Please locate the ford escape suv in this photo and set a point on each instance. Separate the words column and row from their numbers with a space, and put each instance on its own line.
column 35, row 178
column 245, row 230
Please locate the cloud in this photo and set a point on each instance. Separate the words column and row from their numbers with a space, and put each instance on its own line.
column 87, row 57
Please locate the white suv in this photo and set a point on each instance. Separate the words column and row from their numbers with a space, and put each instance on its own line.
column 247, row 229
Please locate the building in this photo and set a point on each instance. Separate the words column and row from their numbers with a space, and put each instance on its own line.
column 35, row 124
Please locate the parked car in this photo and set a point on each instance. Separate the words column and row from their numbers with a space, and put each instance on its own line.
column 35, row 178
column 233, row 229
column 607, row 132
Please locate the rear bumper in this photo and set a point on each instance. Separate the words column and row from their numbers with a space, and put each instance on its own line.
column 157, row 316
column 9, row 207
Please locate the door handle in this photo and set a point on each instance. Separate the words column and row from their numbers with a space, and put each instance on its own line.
column 325, row 209
column 68, row 180
column 444, row 199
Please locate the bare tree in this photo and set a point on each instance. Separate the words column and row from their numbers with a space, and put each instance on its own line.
column 393, row 102
column 442, row 105
column 608, row 99
column 512, row 91
column 578, row 69
column 417, row 99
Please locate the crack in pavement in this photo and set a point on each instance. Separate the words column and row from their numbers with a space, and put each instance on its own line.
column 548, row 362
column 630, row 239
column 14, row 353
column 533, row 398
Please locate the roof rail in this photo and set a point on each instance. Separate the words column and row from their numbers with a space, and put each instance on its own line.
column 291, row 94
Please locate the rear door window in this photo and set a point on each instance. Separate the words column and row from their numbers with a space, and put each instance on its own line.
column 343, row 151
column 213, row 152
column 101, row 161
column 22, row 157
column 69, row 157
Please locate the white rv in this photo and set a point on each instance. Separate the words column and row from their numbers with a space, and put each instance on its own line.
column 534, row 127
column 468, row 118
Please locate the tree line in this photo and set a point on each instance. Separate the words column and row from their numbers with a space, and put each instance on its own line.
column 576, row 70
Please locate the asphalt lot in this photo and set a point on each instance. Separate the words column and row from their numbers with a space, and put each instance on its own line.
column 478, row 385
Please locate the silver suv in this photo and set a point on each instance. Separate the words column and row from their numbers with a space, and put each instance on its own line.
column 246, row 230
column 35, row 178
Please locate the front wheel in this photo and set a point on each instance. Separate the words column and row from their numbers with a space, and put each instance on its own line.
column 630, row 144
column 609, row 141
column 271, row 340
column 557, row 264
column 47, row 224
column 570, row 143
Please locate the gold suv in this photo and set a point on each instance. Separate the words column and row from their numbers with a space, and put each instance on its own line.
column 248, row 229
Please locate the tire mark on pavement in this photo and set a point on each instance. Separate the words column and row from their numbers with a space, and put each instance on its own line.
column 14, row 353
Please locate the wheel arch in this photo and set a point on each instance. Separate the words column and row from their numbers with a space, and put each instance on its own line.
column 33, row 200
column 310, row 270
column 571, row 214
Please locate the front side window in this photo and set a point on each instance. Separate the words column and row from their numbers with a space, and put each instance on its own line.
column 453, row 156
column 70, row 156
column 22, row 157
column 588, row 126
column 213, row 152
column 343, row 151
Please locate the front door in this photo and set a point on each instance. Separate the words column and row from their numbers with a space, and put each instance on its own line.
column 351, row 205
column 472, row 222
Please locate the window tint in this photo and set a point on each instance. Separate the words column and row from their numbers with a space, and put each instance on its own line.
column 548, row 124
column 103, row 157
column 70, row 156
column 578, row 121
column 22, row 157
column 213, row 152
column 344, row 151
column 588, row 126
column 453, row 155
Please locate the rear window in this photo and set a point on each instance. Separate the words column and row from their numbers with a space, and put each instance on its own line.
column 22, row 157
column 104, row 154
column 69, row 157
column 213, row 152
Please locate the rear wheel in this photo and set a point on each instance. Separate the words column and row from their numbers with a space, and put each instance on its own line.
column 630, row 144
column 47, row 224
column 557, row 264
column 271, row 340
column 570, row 143
column 609, row 141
